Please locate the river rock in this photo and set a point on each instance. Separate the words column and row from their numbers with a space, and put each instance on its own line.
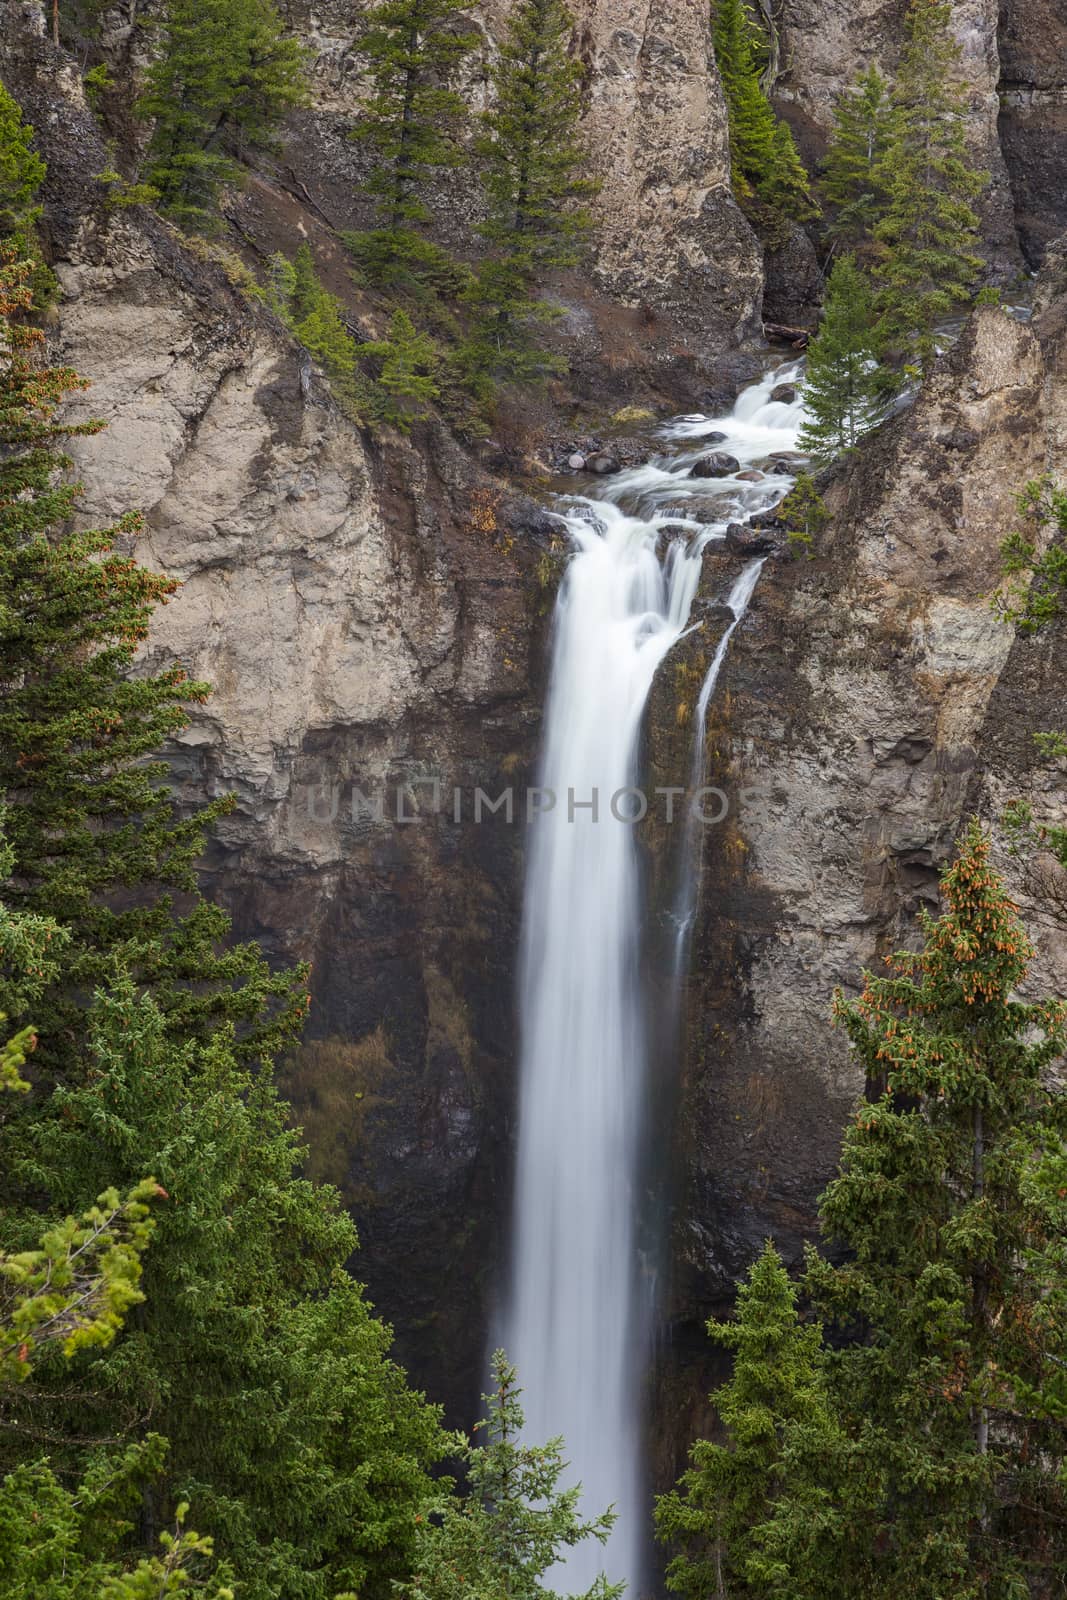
column 751, row 476
column 784, row 469
column 744, row 540
column 576, row 462
column 603, row 464
column 785, row 392
column 716, row 465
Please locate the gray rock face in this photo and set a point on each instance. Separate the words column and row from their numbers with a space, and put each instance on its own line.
column 828, row 44
column 1033, row 118
column 870, row 701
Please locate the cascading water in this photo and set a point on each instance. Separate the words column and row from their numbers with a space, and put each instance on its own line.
column 577, row 1319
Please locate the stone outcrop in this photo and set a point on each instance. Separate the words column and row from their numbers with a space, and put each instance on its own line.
column 871, row 700
column 826, row 45
column 1033, row 117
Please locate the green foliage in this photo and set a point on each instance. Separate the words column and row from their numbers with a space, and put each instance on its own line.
column 122, row 193
column 928, row 231
column 856, row 172
column 774, row 1407
column 88, row 813
column 803, row 512
column 406, row 380
column 295, row 1438
column 931, row 1465
column 515, row 1523
column 21, row 169
column 842, row 385
column 532, row 165
column 411, row 123
column 97, row 83
column 768, row 175
column 79, row 1285
column 226, row 77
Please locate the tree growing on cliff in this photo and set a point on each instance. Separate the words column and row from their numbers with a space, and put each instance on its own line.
column 943, row 1471
column 843, row 385
column 855, row 176
column 534, row 168
column 768, row 176
column 89, row 820
column 928, row 234
column 411, row 123
column 501, row 1539
column 226, row 77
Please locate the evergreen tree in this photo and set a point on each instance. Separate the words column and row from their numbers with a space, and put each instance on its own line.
column 773, row 1406
column 21, row 170
column 768, row 176
column 936, row 1468
column 411, row 123
column 225, row 79
column 929, row 229
column 296, row 1440
column 935, row 1207
column 515, row 1523
column 855, row 177
column 88, row 815
column 406, row 380
column 843, row 384
column 532, row 165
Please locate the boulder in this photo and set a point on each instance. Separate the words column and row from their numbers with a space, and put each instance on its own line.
column 751, row 476
column 576, row 462
column 744, row 540
column 603, row 463
column 785, row 392
column 716, row 465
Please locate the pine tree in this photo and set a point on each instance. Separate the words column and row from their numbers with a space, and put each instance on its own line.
column 855, row 177
column 843, row 385
column 532, row 168
column 942, row 1226
column 406, row 380
column 226, row 78
column 411, row 123
column 774, row 1404
column 514, row 1524
column 765, row 164
column 21, row 170
column 296, row 1440
column 89, row 817
column 929, row 230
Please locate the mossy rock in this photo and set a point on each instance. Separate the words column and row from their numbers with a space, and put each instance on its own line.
column 630, row 414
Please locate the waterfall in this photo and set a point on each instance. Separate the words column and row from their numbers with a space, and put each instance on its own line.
column 577, row 1321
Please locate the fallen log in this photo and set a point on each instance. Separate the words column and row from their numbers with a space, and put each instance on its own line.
column 797, row 337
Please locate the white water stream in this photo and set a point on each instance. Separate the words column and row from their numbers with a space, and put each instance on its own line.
column 578, row 1317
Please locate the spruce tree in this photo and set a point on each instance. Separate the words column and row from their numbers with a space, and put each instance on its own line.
column 773, row 1407
column 225, row 79
column 842, row 385
column 944, row 1233
column 532, row 166
column 768, row 176
column 90, row 822
column 855, row 176
column 411, row 123
column 296, row 1440
column 21, row 170
column 406, row 379
column 501, row 1540
column 929, row 231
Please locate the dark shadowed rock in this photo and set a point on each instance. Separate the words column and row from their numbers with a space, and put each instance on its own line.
column 717, row 465
column 785, row 392
column 743, row 540
column 603, row 464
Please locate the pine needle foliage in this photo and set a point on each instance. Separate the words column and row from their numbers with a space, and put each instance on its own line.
column 928, row 233
column 412, row 123
column 843, row 385
column 534, row 168
column 856, row 172
column 935, row 1465
column 776, row 1394
column 224, row 81
column 95, row 845
column 768, row 175
column 501, row 1540
column 21, row 174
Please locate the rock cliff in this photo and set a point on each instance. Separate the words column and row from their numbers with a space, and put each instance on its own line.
column 373, row 619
